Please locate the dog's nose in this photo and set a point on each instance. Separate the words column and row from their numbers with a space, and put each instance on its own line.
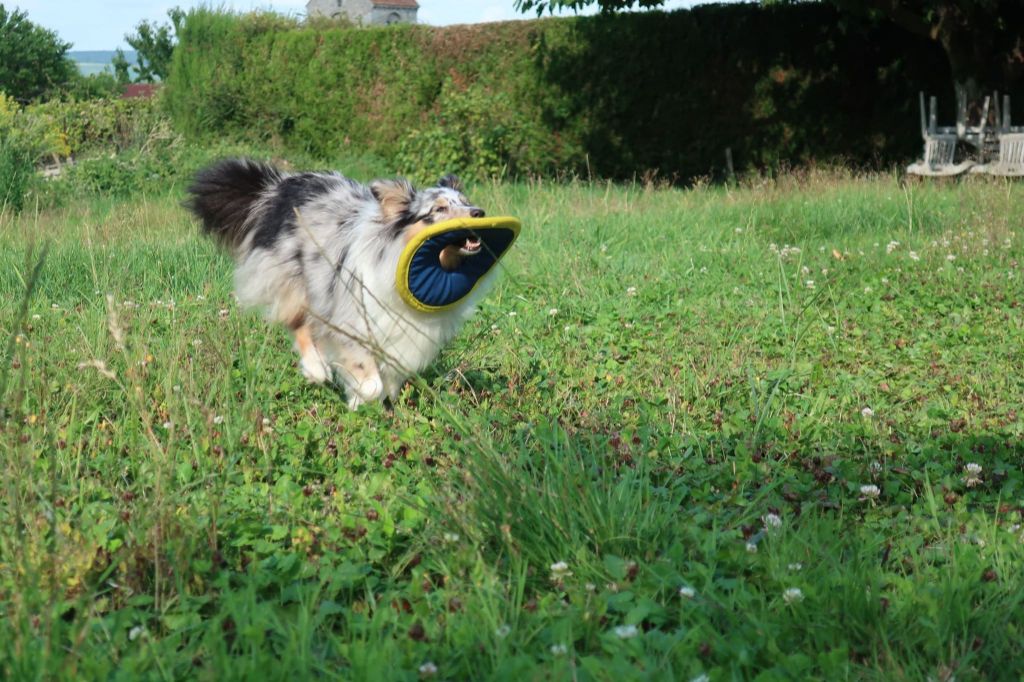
column 476, row 213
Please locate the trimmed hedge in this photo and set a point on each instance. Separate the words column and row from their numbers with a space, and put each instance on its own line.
column 612, row 95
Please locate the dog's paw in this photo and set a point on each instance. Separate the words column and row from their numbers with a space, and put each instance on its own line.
column 315, row 369
column 369, row 391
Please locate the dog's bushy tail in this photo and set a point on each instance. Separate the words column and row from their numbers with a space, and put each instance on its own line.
column 224, row 195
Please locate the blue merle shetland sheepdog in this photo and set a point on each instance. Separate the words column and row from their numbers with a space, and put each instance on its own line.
column 318, row 252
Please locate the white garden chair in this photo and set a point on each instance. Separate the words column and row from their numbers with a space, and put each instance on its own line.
column 940, row 144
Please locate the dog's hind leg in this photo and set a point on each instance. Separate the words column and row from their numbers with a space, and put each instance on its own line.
column 314, row 367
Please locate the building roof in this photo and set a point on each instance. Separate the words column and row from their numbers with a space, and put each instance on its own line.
column 405, row 4
column 143, row 90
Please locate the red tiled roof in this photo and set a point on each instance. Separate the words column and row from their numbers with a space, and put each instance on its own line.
column 408, row 4
column 144, row 90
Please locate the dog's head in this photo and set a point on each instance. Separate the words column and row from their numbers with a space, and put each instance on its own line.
column 408, row 211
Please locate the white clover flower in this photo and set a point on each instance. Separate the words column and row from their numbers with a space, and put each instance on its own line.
column 54, row 306
column 793, row 595
column 703, row 677
column 512, row 313
column 703, row 270
column 559, row 650
column 739, row 230
column 626, row 631
column 772, row 520
column 559, row 571
column 973, row 477
column 451, row 537
column 805, row 270
column 773, row 247
column 176, row 388
column 37, row 317
column 631, row 291
column 891, row 246
column 913, row 256
column 687, row 592
column 553, row 312
column 590, row 587
column 218, row 419
column 752, row 547
column 266, row 421
column 867, row 290
column 134, row 633
column 503, row 631
column 867, row 413
column 167, row 425
column 795, row 566
column 950, row 257
column 870, row 491
column 428, row 669
column 885, row 280
column 809, row 284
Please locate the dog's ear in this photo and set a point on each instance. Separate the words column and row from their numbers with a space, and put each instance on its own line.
column 394, row 196
column 451, row 181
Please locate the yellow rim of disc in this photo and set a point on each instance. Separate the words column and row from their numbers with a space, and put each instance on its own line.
column 475, row 224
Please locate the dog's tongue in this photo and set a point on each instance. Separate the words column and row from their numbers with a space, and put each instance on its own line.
column 471, row 244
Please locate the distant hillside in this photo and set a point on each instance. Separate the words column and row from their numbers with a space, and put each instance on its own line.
column 95, row 61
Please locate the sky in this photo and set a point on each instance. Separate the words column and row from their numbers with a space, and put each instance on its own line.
column 95, row 25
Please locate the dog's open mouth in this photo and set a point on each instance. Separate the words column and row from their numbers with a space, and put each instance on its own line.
column 470, row 246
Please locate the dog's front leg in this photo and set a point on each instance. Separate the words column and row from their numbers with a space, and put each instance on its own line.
column 312, row 362
column 361, row 377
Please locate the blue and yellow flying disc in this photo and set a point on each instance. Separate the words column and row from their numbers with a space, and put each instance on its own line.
column 426, row 286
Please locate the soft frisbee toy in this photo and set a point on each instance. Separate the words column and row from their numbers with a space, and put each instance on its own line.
column 430, row 281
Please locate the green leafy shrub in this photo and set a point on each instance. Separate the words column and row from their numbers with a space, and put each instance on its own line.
column 478, row 133
column 612, row 95
column 104, row 125
column 24, row 140
column 16, row 171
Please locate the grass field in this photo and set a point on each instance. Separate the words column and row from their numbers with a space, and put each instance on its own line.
column 731, row 433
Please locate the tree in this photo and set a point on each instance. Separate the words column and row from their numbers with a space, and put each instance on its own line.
column 982, row 39
column 122, row 67
column 541, row 6
column 33, row 60
column 155, row 47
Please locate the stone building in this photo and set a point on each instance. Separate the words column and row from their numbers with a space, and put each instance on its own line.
column 366, row 12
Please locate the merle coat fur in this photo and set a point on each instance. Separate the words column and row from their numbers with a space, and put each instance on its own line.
column 318, row 252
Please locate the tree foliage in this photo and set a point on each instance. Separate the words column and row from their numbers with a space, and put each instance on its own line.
column 33, row 60
column 122, row 67
column 154, row 44
column 982, row 39
column 541, row 6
